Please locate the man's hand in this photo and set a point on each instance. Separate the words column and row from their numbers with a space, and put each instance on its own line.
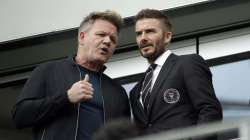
column 81, row 91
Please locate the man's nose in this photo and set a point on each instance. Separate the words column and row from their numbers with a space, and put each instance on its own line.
column 143, row 39
column 107, row 40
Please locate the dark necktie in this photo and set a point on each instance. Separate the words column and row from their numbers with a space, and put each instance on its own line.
column 146, row 85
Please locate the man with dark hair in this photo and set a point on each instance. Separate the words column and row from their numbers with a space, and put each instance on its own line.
column 70, row 99
column 176, row 91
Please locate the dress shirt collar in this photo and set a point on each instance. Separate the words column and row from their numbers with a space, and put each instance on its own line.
column 162, row 58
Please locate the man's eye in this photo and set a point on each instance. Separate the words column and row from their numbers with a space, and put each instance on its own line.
column 150, row 31
column 113, row 39
column 101, row 34
column 138, row 33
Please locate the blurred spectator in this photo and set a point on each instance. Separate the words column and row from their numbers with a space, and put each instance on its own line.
column 120, row 129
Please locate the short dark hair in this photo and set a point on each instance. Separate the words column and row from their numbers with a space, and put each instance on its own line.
column 155, row 14
column 108, row 15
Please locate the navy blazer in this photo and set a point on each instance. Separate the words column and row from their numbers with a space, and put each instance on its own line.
column 182, row 95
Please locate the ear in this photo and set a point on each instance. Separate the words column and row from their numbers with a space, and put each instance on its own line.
column 81, row 36
column 168, row 36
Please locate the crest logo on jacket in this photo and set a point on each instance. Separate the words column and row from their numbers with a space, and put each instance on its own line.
column 171, row 96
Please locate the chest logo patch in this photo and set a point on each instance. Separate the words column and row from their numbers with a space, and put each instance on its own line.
column 171, row 96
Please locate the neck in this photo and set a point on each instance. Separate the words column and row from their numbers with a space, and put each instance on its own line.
column 87, row 64
column 152, row 59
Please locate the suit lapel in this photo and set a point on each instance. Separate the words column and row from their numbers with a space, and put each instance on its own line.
column 166, row 68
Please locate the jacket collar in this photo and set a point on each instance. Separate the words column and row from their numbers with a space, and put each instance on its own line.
column 72, row 61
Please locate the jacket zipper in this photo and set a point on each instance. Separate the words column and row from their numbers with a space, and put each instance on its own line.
column 103, row 104
column 77, row 120
column 44, row 130
column 78, row 105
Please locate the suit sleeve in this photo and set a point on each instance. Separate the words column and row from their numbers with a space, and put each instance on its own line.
column 33, row 107
column 198, row 81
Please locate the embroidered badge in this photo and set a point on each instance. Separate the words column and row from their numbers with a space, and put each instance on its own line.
column 171, row 96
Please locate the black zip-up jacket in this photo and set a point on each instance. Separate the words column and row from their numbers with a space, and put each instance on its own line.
column 43, row 103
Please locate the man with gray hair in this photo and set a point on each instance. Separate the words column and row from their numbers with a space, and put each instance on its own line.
column 70, row 99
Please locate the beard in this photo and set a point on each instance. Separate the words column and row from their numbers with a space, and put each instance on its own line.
column 152, row 52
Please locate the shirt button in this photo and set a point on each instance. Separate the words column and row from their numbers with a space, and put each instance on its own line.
column 150, row 125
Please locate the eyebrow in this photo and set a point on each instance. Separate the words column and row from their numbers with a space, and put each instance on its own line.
column 113, row 36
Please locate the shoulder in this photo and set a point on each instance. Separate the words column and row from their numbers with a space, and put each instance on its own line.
column 194, row 63
column 50, row 66
column 54, row 63
column 192, row 59
column 112, row 82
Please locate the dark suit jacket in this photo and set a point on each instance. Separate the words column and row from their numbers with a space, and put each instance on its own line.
column 182, row 95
